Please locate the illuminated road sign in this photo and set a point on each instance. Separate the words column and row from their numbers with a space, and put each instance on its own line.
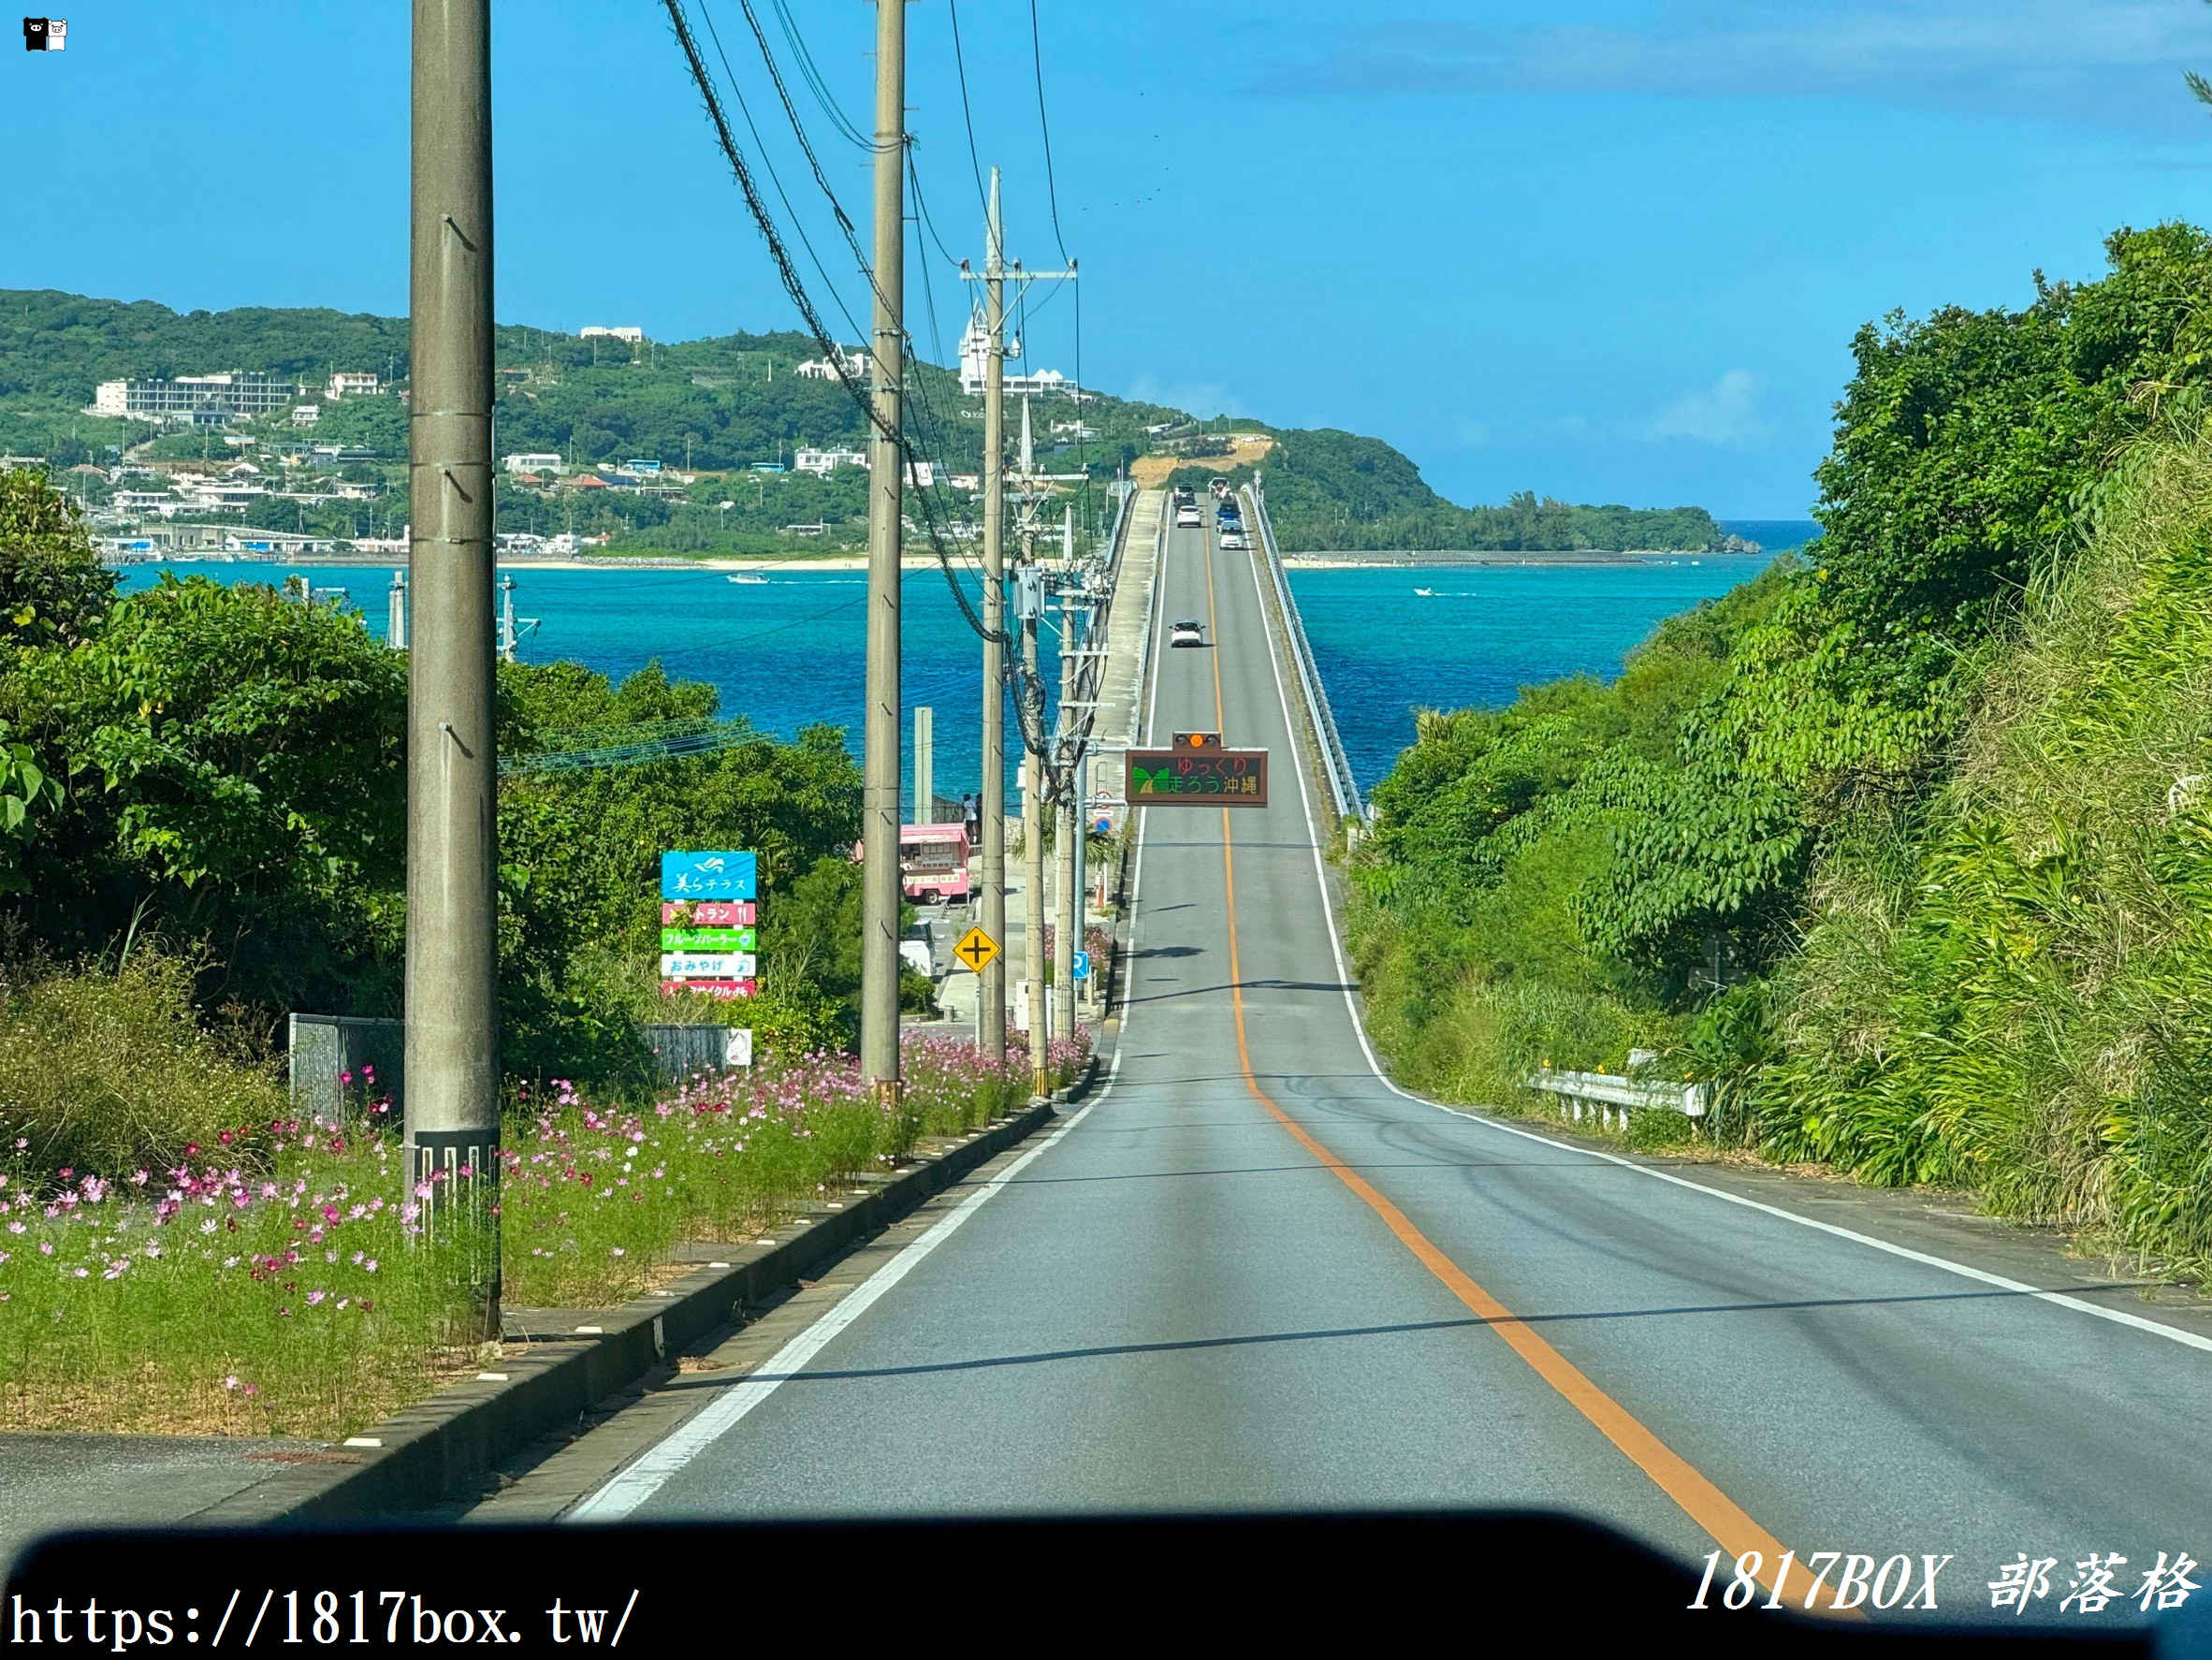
column 1198, row 777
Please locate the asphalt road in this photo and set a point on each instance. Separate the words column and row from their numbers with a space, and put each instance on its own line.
column 1254, row 1275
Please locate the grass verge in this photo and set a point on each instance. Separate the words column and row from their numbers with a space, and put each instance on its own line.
column 278, row 1279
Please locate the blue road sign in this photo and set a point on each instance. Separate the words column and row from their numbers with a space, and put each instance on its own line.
column 1083, row 965
column 707, row 876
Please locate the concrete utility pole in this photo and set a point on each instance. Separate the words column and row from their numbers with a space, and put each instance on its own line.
column 1033, row 836
column 991, row 1015
column 880, row 896
column 924, row 764
column 394, row 622
column 506, row 592
column 1068, row 828
column 991, row 1007
column 452, row 1107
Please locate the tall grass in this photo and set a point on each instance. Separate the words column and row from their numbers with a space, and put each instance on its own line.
column 2012, row 989
column 110, row 1069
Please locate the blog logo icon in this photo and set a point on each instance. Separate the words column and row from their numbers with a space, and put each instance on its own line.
column 45, row 34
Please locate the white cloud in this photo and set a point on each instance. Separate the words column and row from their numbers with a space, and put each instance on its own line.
column 1725, row 413
column 2116, row 61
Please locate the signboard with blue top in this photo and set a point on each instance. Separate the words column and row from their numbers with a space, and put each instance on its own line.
column 707, row 876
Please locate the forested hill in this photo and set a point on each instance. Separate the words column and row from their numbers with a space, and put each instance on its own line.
column 1331, row 489
column 726, row 402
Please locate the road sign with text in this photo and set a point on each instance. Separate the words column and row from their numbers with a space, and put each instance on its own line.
column 709, row 964
column 708, row 938
column 708, row 913
column 711, row 988
column 1198, row 777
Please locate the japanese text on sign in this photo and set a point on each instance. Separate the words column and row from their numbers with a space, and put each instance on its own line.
column 707, row 876
column 1199, row 776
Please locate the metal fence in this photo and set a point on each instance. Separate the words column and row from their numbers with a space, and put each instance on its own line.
column 1344, row 788
column 343, row 1063
column 1603, row 1092
column 684, row 1050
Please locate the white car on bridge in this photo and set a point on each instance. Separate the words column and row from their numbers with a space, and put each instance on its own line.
column 1187, row 631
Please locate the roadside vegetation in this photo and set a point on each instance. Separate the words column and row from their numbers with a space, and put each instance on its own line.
column 276, row 1278
column 1905, row 848
column 202, row 794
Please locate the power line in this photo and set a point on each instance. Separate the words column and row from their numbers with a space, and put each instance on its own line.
column 790, row 276
column 777, row 180
column 921, row 210
column 798, row 130
column 966, row 112
column 815, row 82
column 1030, row 696
column 1052, row 194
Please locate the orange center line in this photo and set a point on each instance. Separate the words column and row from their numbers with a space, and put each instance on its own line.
column 1697, row 1497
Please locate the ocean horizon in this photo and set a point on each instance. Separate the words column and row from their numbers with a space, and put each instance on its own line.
column 789, row 651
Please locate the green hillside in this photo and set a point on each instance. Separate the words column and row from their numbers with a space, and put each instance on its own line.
column 1904, row 849
column 720, row 404
column 1330, row 490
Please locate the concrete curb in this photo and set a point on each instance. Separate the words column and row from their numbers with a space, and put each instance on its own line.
column 439, row 1447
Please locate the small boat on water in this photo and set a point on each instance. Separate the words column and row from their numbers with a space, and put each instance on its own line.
column 745, row 579
column 1426, row 593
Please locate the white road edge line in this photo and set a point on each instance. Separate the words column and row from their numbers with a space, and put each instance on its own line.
column 660, row 1463
column 651, row 1472
column 2057, row 1299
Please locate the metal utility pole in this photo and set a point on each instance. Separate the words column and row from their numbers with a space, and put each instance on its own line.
column 452, row 1034
column 991, row 1007
column 1033, row 837
column 879, row 949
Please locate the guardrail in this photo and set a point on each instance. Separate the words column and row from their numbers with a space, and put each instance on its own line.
column 1604, row 1091
column 1343, row 788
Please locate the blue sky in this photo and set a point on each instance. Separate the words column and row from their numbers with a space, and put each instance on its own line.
column 1602, row 249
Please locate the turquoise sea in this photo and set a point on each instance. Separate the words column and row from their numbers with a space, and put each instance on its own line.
column 789, row 650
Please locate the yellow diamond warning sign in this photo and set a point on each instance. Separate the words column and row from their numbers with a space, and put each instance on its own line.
column 976, row 949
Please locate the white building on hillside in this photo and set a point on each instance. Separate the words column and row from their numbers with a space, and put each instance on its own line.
column 855, row 363
column 624, row 332
column 975, row 358
column 199, row 400
column 826, row 461
column 349, row 383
